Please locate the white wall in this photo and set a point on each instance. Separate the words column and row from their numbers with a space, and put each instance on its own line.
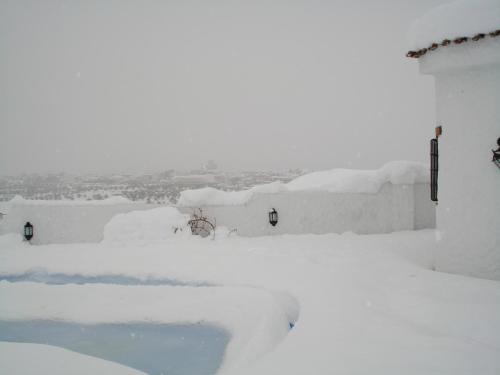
column 393, row 208
column 425, row 209
column 64, row 223
column 468, row 108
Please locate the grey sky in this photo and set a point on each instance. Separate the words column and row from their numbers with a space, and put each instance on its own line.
column 141, row 86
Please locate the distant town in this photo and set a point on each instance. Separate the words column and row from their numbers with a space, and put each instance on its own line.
column 157, row 188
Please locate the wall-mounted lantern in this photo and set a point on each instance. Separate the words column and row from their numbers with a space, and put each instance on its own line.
column 273, row 217
column 496, row 154
column 28, row 231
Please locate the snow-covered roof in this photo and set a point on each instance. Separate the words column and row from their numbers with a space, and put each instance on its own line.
column 455, row 23
column 335, row 181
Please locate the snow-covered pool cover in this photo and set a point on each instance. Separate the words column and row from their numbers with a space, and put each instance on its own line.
column 335, row 181
column 464, row 18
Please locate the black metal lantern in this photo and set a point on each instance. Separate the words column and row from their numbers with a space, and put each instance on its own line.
column 273, row 217
column 496, row 154
column 28, row 231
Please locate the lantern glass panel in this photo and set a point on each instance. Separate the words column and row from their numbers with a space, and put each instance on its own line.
column 28, row 231
column 273, row 217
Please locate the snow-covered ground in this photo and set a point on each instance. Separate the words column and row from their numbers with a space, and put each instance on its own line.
column 360, row 304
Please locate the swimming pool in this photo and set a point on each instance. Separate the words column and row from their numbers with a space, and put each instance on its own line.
column 151, row 348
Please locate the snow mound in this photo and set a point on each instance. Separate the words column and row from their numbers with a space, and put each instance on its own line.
column 464, row 18
column 108, row 201
column 335, row 181
column 361, row 181
column 213, row 197
column 147, row 226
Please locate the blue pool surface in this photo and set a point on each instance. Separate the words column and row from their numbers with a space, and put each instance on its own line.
column 152, row 348
column 41, row 276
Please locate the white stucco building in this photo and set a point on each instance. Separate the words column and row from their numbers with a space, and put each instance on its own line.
column 459, row 44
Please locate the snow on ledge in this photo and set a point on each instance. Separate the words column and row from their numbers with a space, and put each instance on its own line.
column 362, row 181
column 464, row 18
column 334, row 181
column 18, row 200
column 214, row 197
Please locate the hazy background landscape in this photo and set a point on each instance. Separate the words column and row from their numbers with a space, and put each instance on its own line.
column 121, row 87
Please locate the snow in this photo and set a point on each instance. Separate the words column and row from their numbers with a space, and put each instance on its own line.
column 465, row 18
column 4, row 208
column 212, row 196
column 146, row 226
column 335, row 181
column 360, row 304
column 361, row 181
column 28, row 359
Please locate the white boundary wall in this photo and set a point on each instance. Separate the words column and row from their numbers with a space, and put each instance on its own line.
column 65, row 222
column 393, row 208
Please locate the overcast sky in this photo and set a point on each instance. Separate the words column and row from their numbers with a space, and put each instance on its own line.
column 142, row 86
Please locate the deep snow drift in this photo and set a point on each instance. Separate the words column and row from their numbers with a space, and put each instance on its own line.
column 145, row 226
column 359, row 304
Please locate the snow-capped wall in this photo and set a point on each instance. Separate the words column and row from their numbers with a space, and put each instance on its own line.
column 394, row 197
column 65, row 221
column 394, row 207
column 332, row 181
column 467, row 79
